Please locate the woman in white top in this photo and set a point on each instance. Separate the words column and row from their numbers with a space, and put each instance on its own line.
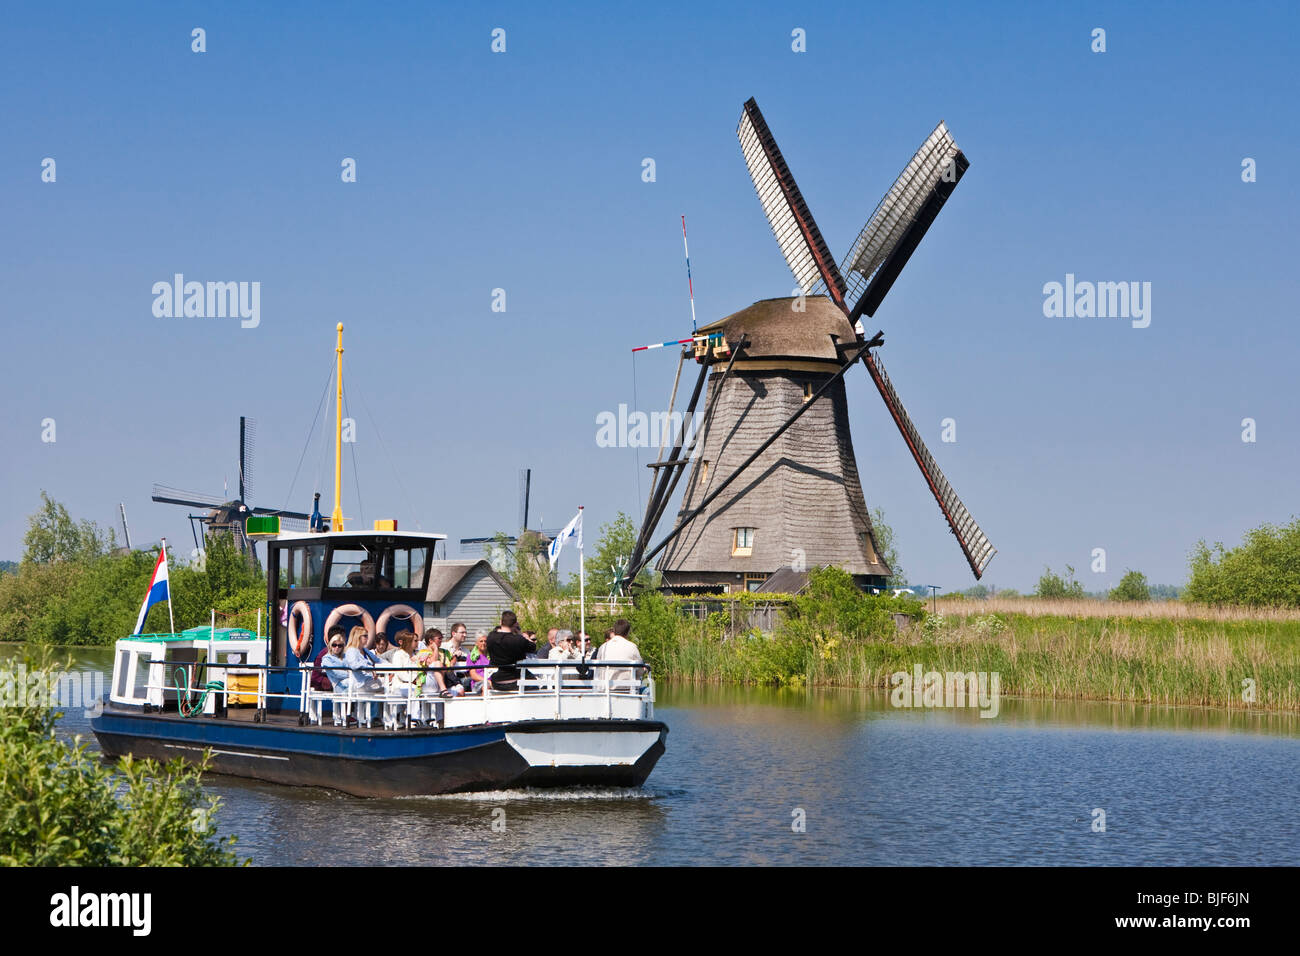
column 403, row 682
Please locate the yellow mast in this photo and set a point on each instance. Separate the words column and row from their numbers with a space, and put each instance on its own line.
column 336, row 519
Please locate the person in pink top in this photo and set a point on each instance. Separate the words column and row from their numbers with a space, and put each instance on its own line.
column 479, row 657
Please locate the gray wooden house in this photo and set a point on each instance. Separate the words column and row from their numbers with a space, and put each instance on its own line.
column 466, row 590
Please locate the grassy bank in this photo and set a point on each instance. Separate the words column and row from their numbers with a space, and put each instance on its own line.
column 1096, row 651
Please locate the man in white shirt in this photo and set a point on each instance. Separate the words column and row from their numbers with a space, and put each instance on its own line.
column 619, row 648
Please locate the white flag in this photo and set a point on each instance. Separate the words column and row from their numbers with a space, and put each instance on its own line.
column 571, row 530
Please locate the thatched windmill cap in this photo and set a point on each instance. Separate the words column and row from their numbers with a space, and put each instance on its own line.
column 776, row 330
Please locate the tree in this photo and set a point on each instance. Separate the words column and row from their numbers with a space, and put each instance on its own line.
column 1263, row 571
column 227, row 583
column 888, row 546
column 52, row 535
column 1052, row 585
column 1132, row 587
column 609, row 560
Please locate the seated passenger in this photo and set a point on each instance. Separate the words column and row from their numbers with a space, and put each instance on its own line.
column 402, row 682
column 333, row 645
column 437, row 681
column 478, row 656
column 544, row 647
column 336, row 668
column 361, row 663
column 619, row 648
column 563, row 647
column 383, row 649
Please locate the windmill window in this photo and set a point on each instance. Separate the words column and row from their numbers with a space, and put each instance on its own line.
column 704, row 469
column 807, row 391
column 742, row 545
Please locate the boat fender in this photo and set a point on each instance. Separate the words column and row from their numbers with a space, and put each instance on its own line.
column 300, row 643
column 402, row 611
column 351, row 610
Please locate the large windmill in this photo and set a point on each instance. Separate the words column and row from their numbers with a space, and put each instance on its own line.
column 223, row 515
column 773, row 479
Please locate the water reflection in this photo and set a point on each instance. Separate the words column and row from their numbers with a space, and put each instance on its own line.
column 870, row 784
column 837, row 703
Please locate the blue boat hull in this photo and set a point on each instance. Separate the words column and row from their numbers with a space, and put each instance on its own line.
column 376, row 763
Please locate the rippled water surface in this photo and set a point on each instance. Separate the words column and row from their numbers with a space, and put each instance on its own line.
column 872, row 784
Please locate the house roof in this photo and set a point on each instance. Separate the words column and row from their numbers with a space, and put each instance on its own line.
column 445, row 575
column 786, row 581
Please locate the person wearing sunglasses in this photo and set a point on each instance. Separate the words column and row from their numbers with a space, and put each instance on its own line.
column 320, row 679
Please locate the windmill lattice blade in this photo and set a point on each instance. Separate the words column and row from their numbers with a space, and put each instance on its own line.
column 974, row 544
column 247, row 436
column 796, row 233
column 898, row 209
column 284, row 515
column 177, row 496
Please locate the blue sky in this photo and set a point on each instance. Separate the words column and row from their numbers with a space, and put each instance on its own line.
column 522, row 171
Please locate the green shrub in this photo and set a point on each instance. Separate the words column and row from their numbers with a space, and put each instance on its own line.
column 1132, row 587
column 1052, row 585
column 60, row 806
column 1263, row 571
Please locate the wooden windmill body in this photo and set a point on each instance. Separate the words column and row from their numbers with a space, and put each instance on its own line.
column 800, row 503
column 773, row 482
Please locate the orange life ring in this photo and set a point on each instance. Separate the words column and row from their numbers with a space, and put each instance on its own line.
column 300, row 644
column 402, row 611
column 351, row 610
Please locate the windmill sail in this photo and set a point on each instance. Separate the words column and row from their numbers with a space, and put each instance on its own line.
column 247, row 435
column 900, row 219
column 797, row 234
column 192, row 499
column 973, row 542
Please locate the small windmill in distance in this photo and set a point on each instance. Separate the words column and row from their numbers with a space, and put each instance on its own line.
column 531, row 537
column 230, row 516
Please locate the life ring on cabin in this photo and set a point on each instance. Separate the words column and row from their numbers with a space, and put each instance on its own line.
column 402, row 611
column 300, row 643
column 351, row 610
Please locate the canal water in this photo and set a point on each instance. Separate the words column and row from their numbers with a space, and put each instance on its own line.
column 765, row 776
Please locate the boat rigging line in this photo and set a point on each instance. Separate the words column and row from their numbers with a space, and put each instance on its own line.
column 307, row 443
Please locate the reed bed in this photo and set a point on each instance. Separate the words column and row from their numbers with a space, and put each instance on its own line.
column 1239, row 661
column 1091, row 608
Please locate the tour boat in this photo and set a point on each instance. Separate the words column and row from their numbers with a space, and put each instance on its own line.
column 245, row 699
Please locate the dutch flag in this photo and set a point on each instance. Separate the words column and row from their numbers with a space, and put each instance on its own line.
column 158, row 590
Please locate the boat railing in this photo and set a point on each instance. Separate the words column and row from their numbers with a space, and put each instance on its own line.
column 200, row 686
